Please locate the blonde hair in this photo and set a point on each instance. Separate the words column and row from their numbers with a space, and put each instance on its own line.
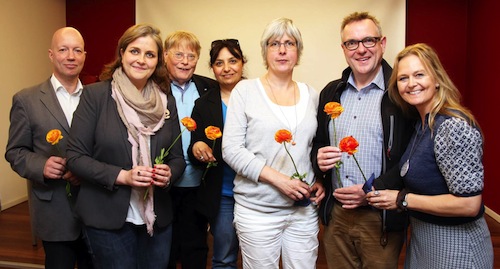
column 188, row 39
column 447, row 98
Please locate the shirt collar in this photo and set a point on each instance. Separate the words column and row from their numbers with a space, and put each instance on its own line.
column 377, row 81
column 183, row 87
column 58, row 86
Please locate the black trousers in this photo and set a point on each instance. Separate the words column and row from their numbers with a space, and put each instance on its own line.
column 65, row 254
column 189, row 237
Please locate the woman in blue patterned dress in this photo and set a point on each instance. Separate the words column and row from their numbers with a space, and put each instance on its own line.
column 442, row 168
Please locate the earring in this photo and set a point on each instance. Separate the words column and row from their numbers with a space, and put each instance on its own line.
column 437, row 86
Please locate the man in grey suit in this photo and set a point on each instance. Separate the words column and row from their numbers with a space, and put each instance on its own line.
column 35, row 111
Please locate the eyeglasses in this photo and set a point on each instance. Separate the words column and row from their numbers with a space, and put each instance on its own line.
column 222, row 41
column 368, row 42
column 179, row 56
column 289, row 45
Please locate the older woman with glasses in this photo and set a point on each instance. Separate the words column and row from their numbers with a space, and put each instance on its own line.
column 275, row 190
column 189, row 244
column 215, row 196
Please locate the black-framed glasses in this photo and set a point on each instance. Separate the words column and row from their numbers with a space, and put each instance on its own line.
column 368, row 42
column 222, row 41
column 289, row 45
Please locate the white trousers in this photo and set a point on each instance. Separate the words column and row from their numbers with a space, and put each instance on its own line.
column 264, row 237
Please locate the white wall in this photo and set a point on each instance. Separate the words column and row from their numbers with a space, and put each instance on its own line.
column 318, row 20
column 26, row 28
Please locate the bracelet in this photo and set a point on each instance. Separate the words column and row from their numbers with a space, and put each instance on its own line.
column 401, row 200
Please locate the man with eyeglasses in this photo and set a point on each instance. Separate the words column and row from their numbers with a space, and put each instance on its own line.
column 189, row 242
column 356, row 235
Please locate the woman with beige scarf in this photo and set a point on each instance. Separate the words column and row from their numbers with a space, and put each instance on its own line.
column 119, row 128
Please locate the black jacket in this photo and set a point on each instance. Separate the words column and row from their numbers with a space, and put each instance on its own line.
column 397, row 131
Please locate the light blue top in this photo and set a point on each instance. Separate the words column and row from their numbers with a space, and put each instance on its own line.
column 184, row 99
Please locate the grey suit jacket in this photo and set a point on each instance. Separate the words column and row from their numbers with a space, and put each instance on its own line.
column 34, row 112
column 99, row 149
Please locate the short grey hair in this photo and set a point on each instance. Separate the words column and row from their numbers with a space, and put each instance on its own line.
column 278, row 28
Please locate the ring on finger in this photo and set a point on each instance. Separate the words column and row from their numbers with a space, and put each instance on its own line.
column 138, row 173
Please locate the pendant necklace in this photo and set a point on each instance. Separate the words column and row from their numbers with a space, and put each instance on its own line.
column 406, row 165
column 284, row 115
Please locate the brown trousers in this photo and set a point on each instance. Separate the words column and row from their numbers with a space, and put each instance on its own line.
column 352, row 240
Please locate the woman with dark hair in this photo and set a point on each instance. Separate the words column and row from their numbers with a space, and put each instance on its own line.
column 442, row 168
column 119, row 128
column 215, row 196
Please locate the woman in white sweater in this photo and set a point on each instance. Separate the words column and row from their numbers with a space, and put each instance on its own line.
column 275, row 214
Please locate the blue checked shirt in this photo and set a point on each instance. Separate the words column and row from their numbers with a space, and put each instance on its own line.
column 362, row 120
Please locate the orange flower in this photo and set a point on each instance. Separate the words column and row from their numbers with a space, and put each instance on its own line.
column 213, row 132
column 284, row 136
column 350, row 145
column 54, row 136
column 189, row 123
column 333, row 109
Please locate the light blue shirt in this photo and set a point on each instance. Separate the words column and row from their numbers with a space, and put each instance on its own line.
column 362, row 120
column 184, row 99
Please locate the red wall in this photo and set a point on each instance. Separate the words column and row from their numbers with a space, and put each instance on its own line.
column 465, row 36
column 483, row 90
column 101, row 22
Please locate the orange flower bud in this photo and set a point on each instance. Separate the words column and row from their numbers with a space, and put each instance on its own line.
column 213, row 132
column 189, row 123
column 333, row 109
column 348, row 144
column 283, row 136
column 53, row 136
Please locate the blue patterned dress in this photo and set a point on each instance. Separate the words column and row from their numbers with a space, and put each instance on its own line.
column 447, row 161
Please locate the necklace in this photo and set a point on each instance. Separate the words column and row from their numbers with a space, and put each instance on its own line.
column 284, row 115
column 406, row 165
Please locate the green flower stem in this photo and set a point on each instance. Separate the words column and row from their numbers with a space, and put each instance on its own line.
column 210, row 164
column 163, row 154
column 337, row 165
column 175, row 141
column 295, row 166
column 68, row 185
column 339, row 182
column 334, row 133
column 359, row 167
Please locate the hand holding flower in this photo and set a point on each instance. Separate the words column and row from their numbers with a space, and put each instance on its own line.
column 56, row 165
column 302, row 198
column 334, row 109
column 212, row 133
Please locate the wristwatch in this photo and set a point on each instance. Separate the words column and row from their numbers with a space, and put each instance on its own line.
column 404, row 203
column 401, row 202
